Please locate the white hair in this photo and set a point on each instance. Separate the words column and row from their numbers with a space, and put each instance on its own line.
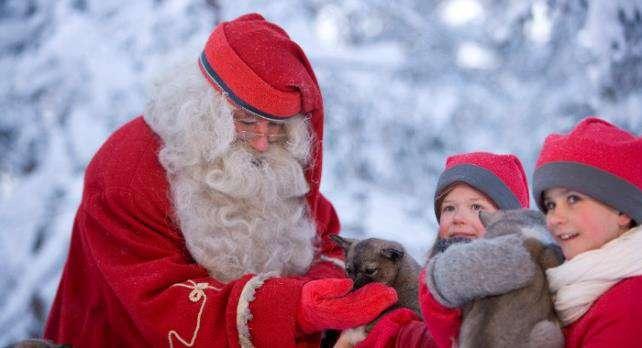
column 240, row 211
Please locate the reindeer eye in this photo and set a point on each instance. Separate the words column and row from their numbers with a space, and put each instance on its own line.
column 370, row 271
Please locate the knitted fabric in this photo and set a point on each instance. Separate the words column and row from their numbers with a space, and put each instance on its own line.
column 500, row 177
column 256, row 64
column 596, row 158
column 481, row 268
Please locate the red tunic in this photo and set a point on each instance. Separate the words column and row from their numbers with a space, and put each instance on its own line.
column 614, row 320
column 129, row 280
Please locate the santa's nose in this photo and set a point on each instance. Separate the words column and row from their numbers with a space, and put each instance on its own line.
column 261, row 142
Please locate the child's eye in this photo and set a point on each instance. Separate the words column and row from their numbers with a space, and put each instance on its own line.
column 548, row 205
column 573, row 198
column 477, row 206
column 447, row 208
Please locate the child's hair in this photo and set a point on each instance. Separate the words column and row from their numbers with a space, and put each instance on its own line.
column 597, row 159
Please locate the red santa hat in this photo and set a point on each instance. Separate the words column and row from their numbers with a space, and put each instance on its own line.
column 500, row 177
column 596, row 158
column 256, row 65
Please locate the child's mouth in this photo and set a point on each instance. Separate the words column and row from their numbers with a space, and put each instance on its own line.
column 567, row 236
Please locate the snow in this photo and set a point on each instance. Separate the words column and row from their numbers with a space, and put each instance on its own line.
column 460, row 12
column 405, row 84
column 473, row 56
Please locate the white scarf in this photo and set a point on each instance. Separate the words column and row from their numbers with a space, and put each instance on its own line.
column 579, row 282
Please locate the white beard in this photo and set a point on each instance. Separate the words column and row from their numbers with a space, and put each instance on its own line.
column 239, row 212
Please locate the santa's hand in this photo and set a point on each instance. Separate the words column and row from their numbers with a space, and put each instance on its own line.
column 329, row 304
column 481, row 268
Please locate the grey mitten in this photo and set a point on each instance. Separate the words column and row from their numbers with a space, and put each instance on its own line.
column 483, row 267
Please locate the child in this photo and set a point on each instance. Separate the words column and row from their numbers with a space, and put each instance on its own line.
column 470, row 182
column 589, row 185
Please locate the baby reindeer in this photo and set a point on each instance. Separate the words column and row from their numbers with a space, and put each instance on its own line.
column 523, row 317
column 378, row 260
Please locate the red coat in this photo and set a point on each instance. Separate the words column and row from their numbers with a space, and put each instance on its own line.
column 129, row 280
column 614, row 320
column 402, row 328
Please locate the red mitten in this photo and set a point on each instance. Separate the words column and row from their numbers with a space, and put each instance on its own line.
column 329, row 304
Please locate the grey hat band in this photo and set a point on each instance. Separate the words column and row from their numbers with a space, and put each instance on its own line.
column 480, row 179
column 592, row 181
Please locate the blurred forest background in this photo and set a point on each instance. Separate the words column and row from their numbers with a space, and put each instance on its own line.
column 406, row 83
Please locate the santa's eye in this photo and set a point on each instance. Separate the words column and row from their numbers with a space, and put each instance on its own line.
column 246, row 121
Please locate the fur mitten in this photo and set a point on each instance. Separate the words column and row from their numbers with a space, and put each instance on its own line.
column 329, row 304
column 481, row 268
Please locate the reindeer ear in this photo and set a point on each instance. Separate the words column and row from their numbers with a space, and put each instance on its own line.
column 484, row 217
column 343, row 242
column 392, row 254
column 536, row 215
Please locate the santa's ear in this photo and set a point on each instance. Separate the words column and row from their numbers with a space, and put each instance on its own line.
column 392, row 254
column 536, row 215
column 343, row 242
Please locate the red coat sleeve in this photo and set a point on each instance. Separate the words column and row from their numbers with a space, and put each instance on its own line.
column 399, row 328
column 443, row 323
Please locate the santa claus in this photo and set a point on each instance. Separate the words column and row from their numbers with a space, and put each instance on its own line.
column 201, row 222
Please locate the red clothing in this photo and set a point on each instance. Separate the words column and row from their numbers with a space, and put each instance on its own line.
column 129, row 280
column 404, row 329
column 443, row 323
column 399, row 328
column 614, row 320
